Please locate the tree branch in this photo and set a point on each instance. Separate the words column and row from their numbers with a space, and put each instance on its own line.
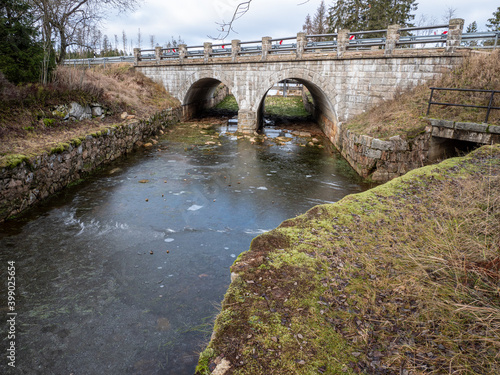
column 225, row 28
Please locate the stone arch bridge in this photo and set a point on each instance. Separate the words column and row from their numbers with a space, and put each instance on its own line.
column 345, row 76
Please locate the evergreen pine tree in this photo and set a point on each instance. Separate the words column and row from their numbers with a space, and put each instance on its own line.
column 21, row 54
column 472, row 28
column 359, row 15
column 319, row 23
column 494, row 22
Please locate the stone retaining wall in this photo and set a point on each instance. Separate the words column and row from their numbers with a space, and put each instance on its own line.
column 29, row 182
column 384, row 160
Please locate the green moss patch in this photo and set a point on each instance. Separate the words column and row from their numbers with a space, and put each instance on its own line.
column 13, row 160
column 195, row 134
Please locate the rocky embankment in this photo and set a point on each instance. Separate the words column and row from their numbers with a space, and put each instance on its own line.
column 400, row 279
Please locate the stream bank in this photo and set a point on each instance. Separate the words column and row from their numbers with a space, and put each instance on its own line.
column 384, row 281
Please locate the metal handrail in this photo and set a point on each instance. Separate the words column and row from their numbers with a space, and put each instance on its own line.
column 489, row 107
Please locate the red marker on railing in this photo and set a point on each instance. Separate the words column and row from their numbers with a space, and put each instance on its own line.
column 351, row 37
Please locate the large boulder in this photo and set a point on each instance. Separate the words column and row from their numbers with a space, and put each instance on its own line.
column 76, row 111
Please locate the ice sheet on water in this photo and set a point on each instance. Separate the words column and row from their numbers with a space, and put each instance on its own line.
column 194, row 207
column 256, row 231
column 261, row 188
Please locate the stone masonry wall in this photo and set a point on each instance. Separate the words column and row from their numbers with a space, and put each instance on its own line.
column 31, row 181
column 381, row 160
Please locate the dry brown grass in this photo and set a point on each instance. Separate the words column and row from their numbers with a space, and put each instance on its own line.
column 434, row 304
column 120, row 83
column 405, row 115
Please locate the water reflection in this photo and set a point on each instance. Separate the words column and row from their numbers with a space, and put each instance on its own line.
column 123, row 274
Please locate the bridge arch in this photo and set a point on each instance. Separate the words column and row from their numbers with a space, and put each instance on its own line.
column 197, row 91
column 323, row 110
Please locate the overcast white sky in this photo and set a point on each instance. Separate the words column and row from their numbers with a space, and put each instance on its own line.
column 195, row 20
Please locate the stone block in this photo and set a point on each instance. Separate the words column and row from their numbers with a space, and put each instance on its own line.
column 374, row 154
column 494, row 129
column 470, row 126
column 442, row 123
column 381, row 145
column 398, row 143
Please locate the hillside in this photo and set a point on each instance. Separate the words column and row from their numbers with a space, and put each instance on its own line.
column 31, row 118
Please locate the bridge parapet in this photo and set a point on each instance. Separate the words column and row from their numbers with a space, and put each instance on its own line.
column 447, row 38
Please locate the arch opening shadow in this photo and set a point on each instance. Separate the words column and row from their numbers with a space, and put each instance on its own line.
column 204, row 95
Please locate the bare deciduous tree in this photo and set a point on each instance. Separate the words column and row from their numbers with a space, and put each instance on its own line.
column 139, row 38
column 64, row 20
column 225, row 28
column 124, row 40
column 449, row 14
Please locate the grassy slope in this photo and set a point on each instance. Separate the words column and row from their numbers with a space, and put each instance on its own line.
column 28, row 125
column 405, row 115
column 401, row 277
